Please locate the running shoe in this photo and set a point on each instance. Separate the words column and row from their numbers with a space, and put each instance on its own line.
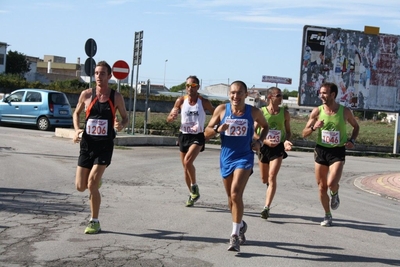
column 234, row 244
column 265, row 213
column 243, row 229
column 327, row 221
column 190, row 202
column 335, row 201
column 195, row 193
column 93, row 228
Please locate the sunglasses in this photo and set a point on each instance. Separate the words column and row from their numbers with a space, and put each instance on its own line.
column 277, row 95
column 193, row 85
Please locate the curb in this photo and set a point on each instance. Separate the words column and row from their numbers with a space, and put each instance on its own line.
column 127, row 140
column 378, row 185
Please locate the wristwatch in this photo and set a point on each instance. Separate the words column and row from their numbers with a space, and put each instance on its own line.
column 351, row 140
column 216, row 128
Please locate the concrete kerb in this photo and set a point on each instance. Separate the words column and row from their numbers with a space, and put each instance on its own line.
column 127, row 140
column 385, row 185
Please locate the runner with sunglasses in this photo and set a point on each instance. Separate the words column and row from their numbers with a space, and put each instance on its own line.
column 191, row 137
column 275, row 144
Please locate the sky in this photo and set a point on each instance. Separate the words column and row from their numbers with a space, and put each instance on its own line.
column 218, row 40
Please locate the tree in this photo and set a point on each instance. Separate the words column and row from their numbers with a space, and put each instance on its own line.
column 16, row 63
column 293, row 93
column 178, row 88
column 286, row 93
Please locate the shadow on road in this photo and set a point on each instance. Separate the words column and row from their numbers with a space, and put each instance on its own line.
column 30, row 201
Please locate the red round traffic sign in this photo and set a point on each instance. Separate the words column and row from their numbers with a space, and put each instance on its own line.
column 120, row 69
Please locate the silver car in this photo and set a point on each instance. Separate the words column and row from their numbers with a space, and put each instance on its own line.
column 44, row 108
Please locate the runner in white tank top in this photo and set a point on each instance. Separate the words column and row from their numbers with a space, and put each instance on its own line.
column 193, row 117
column 191, row 138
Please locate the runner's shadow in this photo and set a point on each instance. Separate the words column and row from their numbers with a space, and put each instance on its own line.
column 277, row 218
column 305, row 252
column 318, row 254
column 212, row 207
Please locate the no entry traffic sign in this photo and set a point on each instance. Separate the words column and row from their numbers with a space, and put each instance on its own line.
column 120, row 69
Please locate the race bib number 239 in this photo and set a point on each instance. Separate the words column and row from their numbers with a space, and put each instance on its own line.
column 237, row 127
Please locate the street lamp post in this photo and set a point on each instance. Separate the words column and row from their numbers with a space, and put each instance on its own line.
column 165, row 69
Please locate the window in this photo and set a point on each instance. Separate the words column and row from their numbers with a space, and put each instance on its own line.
column 33, row 97
column 58, row 99
column 1, row 59
column 16, row 97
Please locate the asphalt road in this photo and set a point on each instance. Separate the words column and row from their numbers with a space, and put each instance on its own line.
column 145, row 222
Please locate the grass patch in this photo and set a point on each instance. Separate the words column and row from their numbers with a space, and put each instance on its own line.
column 372, row 133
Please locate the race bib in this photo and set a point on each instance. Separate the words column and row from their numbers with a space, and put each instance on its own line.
column 330, row 137
column 237, row 127
column 97, row 127
column 274, row 136
column 190, row 128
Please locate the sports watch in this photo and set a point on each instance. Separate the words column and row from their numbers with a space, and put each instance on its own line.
column 351, row 140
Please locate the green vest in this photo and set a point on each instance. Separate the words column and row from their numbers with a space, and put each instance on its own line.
column 333, row 133
column 276, row 125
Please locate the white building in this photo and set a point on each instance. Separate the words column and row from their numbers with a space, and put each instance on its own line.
column 3, row 57
column 221, row 92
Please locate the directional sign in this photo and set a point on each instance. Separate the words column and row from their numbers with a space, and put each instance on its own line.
column 90, row 65
column 90, row 47
column 120, row 69
column 275, row 79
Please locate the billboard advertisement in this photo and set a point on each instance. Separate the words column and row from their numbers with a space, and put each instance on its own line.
column 365, row 67
column 275, row 79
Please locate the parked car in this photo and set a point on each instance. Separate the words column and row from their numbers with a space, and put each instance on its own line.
column 44, row 108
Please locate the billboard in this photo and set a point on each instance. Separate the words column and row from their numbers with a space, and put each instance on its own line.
column 365, row 67
column 275, row 79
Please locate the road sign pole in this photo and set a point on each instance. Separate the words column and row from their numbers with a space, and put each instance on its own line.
column 130, row 96
column 91, row 72
column 134, row 100
column 396, row 135
column 137, row 60
column 146, row 105
column 120, row 70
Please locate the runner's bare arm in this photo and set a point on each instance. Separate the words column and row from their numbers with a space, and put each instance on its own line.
column 80, row 106
column 287, row 125
column 215, row 120
column 120, row 106
column 309, row 129
column 349, row 117
column 259, row 118
column 286, row 143
column 208, row 106
column 175, row 110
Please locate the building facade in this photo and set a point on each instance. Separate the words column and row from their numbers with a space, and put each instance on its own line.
column 3, row 57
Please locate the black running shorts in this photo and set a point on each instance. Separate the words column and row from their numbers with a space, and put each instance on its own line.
column 268, row 154
column 186, row 140
column 327, row 156
column 95, row 153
